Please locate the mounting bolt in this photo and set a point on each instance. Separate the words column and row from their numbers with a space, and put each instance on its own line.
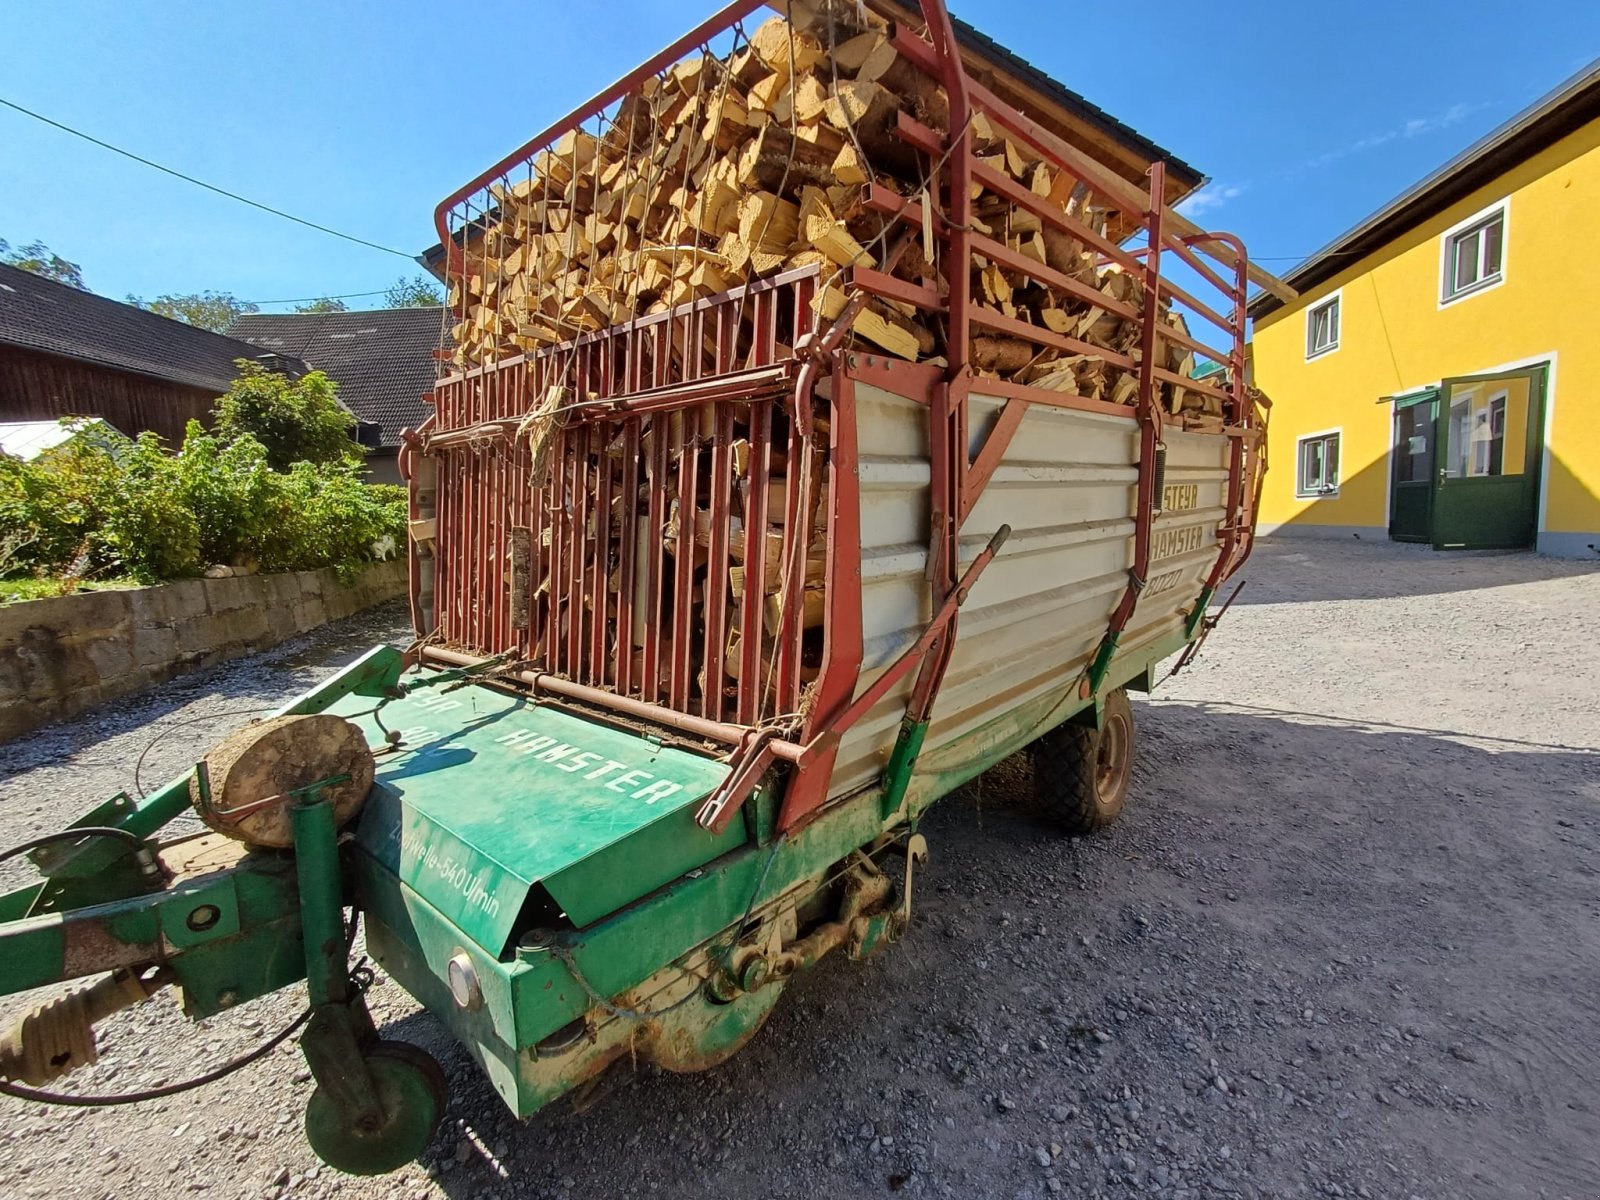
column 753, row 974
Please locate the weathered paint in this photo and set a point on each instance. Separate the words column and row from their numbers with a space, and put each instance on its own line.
column 1036, row 617
column 1397, row 337
column 490, row 794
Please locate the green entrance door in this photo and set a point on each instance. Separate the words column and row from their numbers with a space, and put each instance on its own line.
column 1411, row 467
column 1488, row 438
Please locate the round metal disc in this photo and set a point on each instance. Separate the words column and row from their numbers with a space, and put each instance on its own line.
column 412, row 1093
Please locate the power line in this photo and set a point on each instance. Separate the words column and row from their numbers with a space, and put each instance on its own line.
column 309, row 299
column 210, row 187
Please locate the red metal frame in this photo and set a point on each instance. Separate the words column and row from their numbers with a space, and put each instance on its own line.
column 666, row 404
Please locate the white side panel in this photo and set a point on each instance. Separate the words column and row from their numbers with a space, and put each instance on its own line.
column 1067, row 487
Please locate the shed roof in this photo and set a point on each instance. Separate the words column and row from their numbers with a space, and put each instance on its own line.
column 382, row 359
column 52, row 318
column 1569, row 106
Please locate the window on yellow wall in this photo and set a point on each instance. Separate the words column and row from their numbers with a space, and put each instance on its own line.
column 1475, row 255
column 1317, row 465
column 1322, row 327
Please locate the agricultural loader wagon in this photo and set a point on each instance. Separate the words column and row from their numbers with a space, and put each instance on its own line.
column 815, row 429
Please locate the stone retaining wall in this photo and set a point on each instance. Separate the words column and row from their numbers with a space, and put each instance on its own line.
column 63, row 655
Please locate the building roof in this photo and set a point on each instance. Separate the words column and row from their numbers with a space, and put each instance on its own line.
column 52, row 318
column 1185, row 177
column 1568, row 107
column 382, row 359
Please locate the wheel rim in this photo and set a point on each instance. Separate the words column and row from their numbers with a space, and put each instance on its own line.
column 1111, row 758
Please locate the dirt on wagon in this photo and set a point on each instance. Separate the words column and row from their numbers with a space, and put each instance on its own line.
column 1344, row 942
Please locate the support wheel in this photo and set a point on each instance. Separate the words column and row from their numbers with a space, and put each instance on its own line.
column 1080, row 774
column 412, row 1091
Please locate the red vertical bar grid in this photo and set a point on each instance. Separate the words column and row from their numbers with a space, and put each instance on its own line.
column 753, row 609
column 655, row 563
column 716, row 585
column 791, row 572
column 552, row 497
column 599, row 574
column 628, row 564
column 582, row 500
column 684, row 566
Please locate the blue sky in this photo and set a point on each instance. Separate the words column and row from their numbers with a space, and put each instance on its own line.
column 363, row 116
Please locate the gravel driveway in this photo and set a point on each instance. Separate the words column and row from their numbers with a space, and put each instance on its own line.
column 1345, row 942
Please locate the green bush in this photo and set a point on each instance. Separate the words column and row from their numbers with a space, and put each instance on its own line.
column 296, row 420
column 91, row 509
column 150, row 531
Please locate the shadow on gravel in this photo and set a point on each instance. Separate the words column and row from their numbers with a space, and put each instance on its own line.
column 1381, row 940
column 1300, row 570
column 1365, row 725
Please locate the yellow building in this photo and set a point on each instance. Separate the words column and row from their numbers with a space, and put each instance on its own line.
column 1439, row 378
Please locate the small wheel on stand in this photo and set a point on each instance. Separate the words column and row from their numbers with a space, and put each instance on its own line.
column 1080, row 774
column 412, row 1092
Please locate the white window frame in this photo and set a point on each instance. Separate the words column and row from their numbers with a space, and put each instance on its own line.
column 1447, row 244
column 1300, row 490
column 1336, row 302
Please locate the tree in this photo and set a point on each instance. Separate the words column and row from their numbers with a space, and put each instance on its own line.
column 296, row 420
column 41, row 260
column 207, row 310
column 417, row 292
column 325, row 305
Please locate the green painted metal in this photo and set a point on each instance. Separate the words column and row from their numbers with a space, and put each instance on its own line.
column 939, row 774
column 1197, row 614
column 102, row 871
column 902, row 762
column 95, row 911
column 1426, row 396
column 321, row 887
column 232, row 956
column 491, row 794
column 532, row 996
column 1101, row 665
column 409, row 1098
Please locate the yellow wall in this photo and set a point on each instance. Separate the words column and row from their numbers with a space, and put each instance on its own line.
column 1395, row 337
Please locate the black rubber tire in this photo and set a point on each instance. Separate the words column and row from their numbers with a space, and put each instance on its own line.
column 1081, row 774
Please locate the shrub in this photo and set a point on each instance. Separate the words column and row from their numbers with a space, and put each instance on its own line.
column 35, row 532
column 235, row 496
column 150, row 529
column 89, row 509
column 296, row 420
column 338, row 517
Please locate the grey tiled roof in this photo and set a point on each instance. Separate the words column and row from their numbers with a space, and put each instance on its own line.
column 381, row 359
column 1021, row 69
column 40, row 314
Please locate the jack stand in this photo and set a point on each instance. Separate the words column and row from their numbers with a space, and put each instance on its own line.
column 377, row 1103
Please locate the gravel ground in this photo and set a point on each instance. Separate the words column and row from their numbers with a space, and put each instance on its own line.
column 1343, row 943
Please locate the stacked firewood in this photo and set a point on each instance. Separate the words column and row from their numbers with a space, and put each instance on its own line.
column 722, row 171
column 725, row 170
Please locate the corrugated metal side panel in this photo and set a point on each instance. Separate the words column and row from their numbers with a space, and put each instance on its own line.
column 1067, row 488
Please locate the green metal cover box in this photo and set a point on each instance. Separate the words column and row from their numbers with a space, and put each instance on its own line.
column 491, row 794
